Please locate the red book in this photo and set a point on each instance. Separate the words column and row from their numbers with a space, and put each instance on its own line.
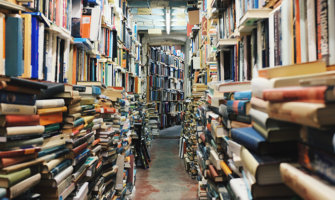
column 79, row 149
column 212, row 171
column 21, row 120
column 19, row 152
column 317, row 94
column 6, row 162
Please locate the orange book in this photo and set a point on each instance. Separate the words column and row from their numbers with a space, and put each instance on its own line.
column 51, row 118
column 136, row 84
column 74, row 66
column 51, row 110
column 196, row 74
column 86, row 26
column 297, row 32
column 5, row 162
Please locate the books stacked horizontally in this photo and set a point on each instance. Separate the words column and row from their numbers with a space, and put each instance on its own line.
column 307, row 101
column 152, row 119
column 20, row 141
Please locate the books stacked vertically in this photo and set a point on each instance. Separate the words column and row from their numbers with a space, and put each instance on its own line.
column 306, row 101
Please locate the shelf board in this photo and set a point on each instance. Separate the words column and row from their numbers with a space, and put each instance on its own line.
column 227, row 42
column 248, row 21
column 11, row 6
column 83, row 43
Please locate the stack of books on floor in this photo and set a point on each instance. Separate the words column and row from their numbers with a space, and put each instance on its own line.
column 21, row 140
column 298, row 107
column 188, row 140
column 152, row 119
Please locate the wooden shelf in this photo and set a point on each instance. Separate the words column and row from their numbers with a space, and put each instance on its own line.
column 11, row 6
column 248, row 21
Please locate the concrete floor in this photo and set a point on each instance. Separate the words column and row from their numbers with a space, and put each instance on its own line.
column 166, row 179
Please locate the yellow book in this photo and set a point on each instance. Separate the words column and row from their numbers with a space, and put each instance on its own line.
column 27, row 45
column 293, row 70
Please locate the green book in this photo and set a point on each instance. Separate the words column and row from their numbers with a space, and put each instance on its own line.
column 8, row 180
column 51, row 127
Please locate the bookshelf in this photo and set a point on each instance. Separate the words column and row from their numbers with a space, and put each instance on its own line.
column 166, row 83
column 82, row 41
column 255, row 44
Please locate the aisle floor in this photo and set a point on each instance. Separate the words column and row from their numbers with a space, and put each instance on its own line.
column 166, row 179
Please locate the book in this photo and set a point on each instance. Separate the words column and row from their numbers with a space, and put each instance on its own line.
column 17, row 98
column 260, row 84
column 14, row 45
column 19, row 120
column 24, row 185
column 239, row 107
column 305, row 184
column 275, row 191
column 317, row 161
column 21, row 130
column 233, row 87
column 19, row 152
column 9, row 145
column 318, row 138
column 243, row 95
column 44, row 111
column 264, row 169
column 254, row 141
column 6, row 162
column 318, row 94
column 309, row 114
column 50, row 103
column 7, row 180
column 293, row 70
column 51, row 118
column 12, row 109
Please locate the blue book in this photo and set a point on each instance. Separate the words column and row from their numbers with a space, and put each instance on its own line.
column 240, row 107
column 34, row 46
column 96, row 90
column 14, row 46
column 254, row 141
column 63, row 165
column 245, row 95
column 319, row 138
column 17, row 98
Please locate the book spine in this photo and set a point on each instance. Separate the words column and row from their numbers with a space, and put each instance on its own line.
column 242, row 95
column 17, row 98
column 293, row 94
column 12, row 109
column 24, row 130
column 237, row 107
column 61, row 176
column 60, row 168
column 23, row 186
column 50, row 103
column 22, row 120
column 79, row 149
column 15, row 153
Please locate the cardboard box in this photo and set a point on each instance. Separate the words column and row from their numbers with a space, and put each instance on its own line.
column 193, row 17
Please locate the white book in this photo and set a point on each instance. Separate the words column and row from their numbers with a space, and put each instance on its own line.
column 239, row 188
column 311, row 30
column 303, row 31
column 95, row 22
column 40, row 50
column 50, row 103
column 287, row 33
column 82, row 193
column 331, row 33
column 2, row 39
column 53, row 58
column 63, row 174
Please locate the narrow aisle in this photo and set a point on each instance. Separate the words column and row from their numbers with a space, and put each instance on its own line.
column 166, row 179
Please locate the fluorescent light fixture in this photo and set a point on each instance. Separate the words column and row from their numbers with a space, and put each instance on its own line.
column 155, row 31
column 168, row 20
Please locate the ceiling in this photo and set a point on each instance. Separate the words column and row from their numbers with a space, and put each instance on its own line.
column 152, row 14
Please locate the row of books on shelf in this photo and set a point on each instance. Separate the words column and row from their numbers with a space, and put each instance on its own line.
column 168, row 57
column 32, row 47
column 268, row 138
column 61, row 141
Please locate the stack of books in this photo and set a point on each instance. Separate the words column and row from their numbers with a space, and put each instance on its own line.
column 298, row 107
column 20, row 142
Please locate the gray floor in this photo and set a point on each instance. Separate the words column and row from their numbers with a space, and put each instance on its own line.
column 166, row 179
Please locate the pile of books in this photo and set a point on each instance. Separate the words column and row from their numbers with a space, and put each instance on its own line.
column 152, row 119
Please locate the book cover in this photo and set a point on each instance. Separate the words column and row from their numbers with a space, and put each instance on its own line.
column 50, row 103
column 19, row 152
column 7, row 180
column 14, row 45
column 44, row 111
column 12, row 109
column 243, row 95
column 317, row 94
column 306, row 185
column 51, row 118
column 19, row 120
column 239, row 107
column 254, row 141
column 323, row 139
column 24, row 185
